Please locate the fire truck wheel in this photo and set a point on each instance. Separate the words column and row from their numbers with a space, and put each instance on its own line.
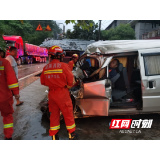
column 22, row 60
column 31, row 60
column 19, row 61
column 27, row 60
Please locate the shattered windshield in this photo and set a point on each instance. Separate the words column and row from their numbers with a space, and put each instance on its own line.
column 104, row 64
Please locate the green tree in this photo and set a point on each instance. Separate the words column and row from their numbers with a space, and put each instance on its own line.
column 81, row 23
column 121, row 32
column 83, row 33
column 27, row 30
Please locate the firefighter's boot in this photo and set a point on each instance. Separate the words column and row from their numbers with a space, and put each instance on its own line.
column 55, row 137
column 73, row 136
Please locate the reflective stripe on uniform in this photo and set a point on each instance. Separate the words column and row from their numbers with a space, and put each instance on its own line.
column 55, row 127
column 53, row 71
column 1, row 68
column 70, row 127
column 73, row 65
column 8, row 125
column 13, row 85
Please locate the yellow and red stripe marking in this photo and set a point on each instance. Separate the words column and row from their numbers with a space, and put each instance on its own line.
column 1, row 68
column 13, row 85
column 53, row 71
column 8, row 125
column 55, row 127
column 71, row 127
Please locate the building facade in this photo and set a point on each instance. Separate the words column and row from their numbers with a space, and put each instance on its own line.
column 144, row 29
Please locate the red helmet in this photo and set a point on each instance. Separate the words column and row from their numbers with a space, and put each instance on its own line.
column 75, row 56
column 55, row 50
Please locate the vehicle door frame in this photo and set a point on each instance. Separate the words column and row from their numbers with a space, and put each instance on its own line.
column 150, row 96
column 90, row 104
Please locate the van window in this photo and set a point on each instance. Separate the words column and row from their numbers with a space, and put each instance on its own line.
column 152, row 65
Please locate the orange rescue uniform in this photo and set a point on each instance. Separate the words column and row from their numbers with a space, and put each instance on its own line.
column 8, row 88
column 58, row 77
column 71, row 65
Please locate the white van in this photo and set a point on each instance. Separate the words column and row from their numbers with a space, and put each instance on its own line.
column 134, row 90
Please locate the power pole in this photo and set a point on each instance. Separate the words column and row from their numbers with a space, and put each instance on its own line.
column 63, row 29
column 99, row 29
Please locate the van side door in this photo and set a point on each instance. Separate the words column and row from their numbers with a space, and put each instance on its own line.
column 149, row 60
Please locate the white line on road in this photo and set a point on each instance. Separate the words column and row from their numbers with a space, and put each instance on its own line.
column 30, row 75
column 19, row 68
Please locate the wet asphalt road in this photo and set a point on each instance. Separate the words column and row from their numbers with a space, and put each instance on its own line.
column 28, row 70
column 34, row 125
column 91, row 128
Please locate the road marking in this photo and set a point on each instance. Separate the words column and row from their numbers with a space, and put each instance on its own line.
column 23, row 67
column 30, row 75
column 26, row 68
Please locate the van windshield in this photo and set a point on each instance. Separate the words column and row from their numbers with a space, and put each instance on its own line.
column 89, row 65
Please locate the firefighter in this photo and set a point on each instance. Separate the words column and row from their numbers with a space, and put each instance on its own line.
column 8, row 88
column 73, row 61
column 58, row 77
column 10, row 58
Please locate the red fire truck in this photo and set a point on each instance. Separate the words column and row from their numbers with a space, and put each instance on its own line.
column 26, row 53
